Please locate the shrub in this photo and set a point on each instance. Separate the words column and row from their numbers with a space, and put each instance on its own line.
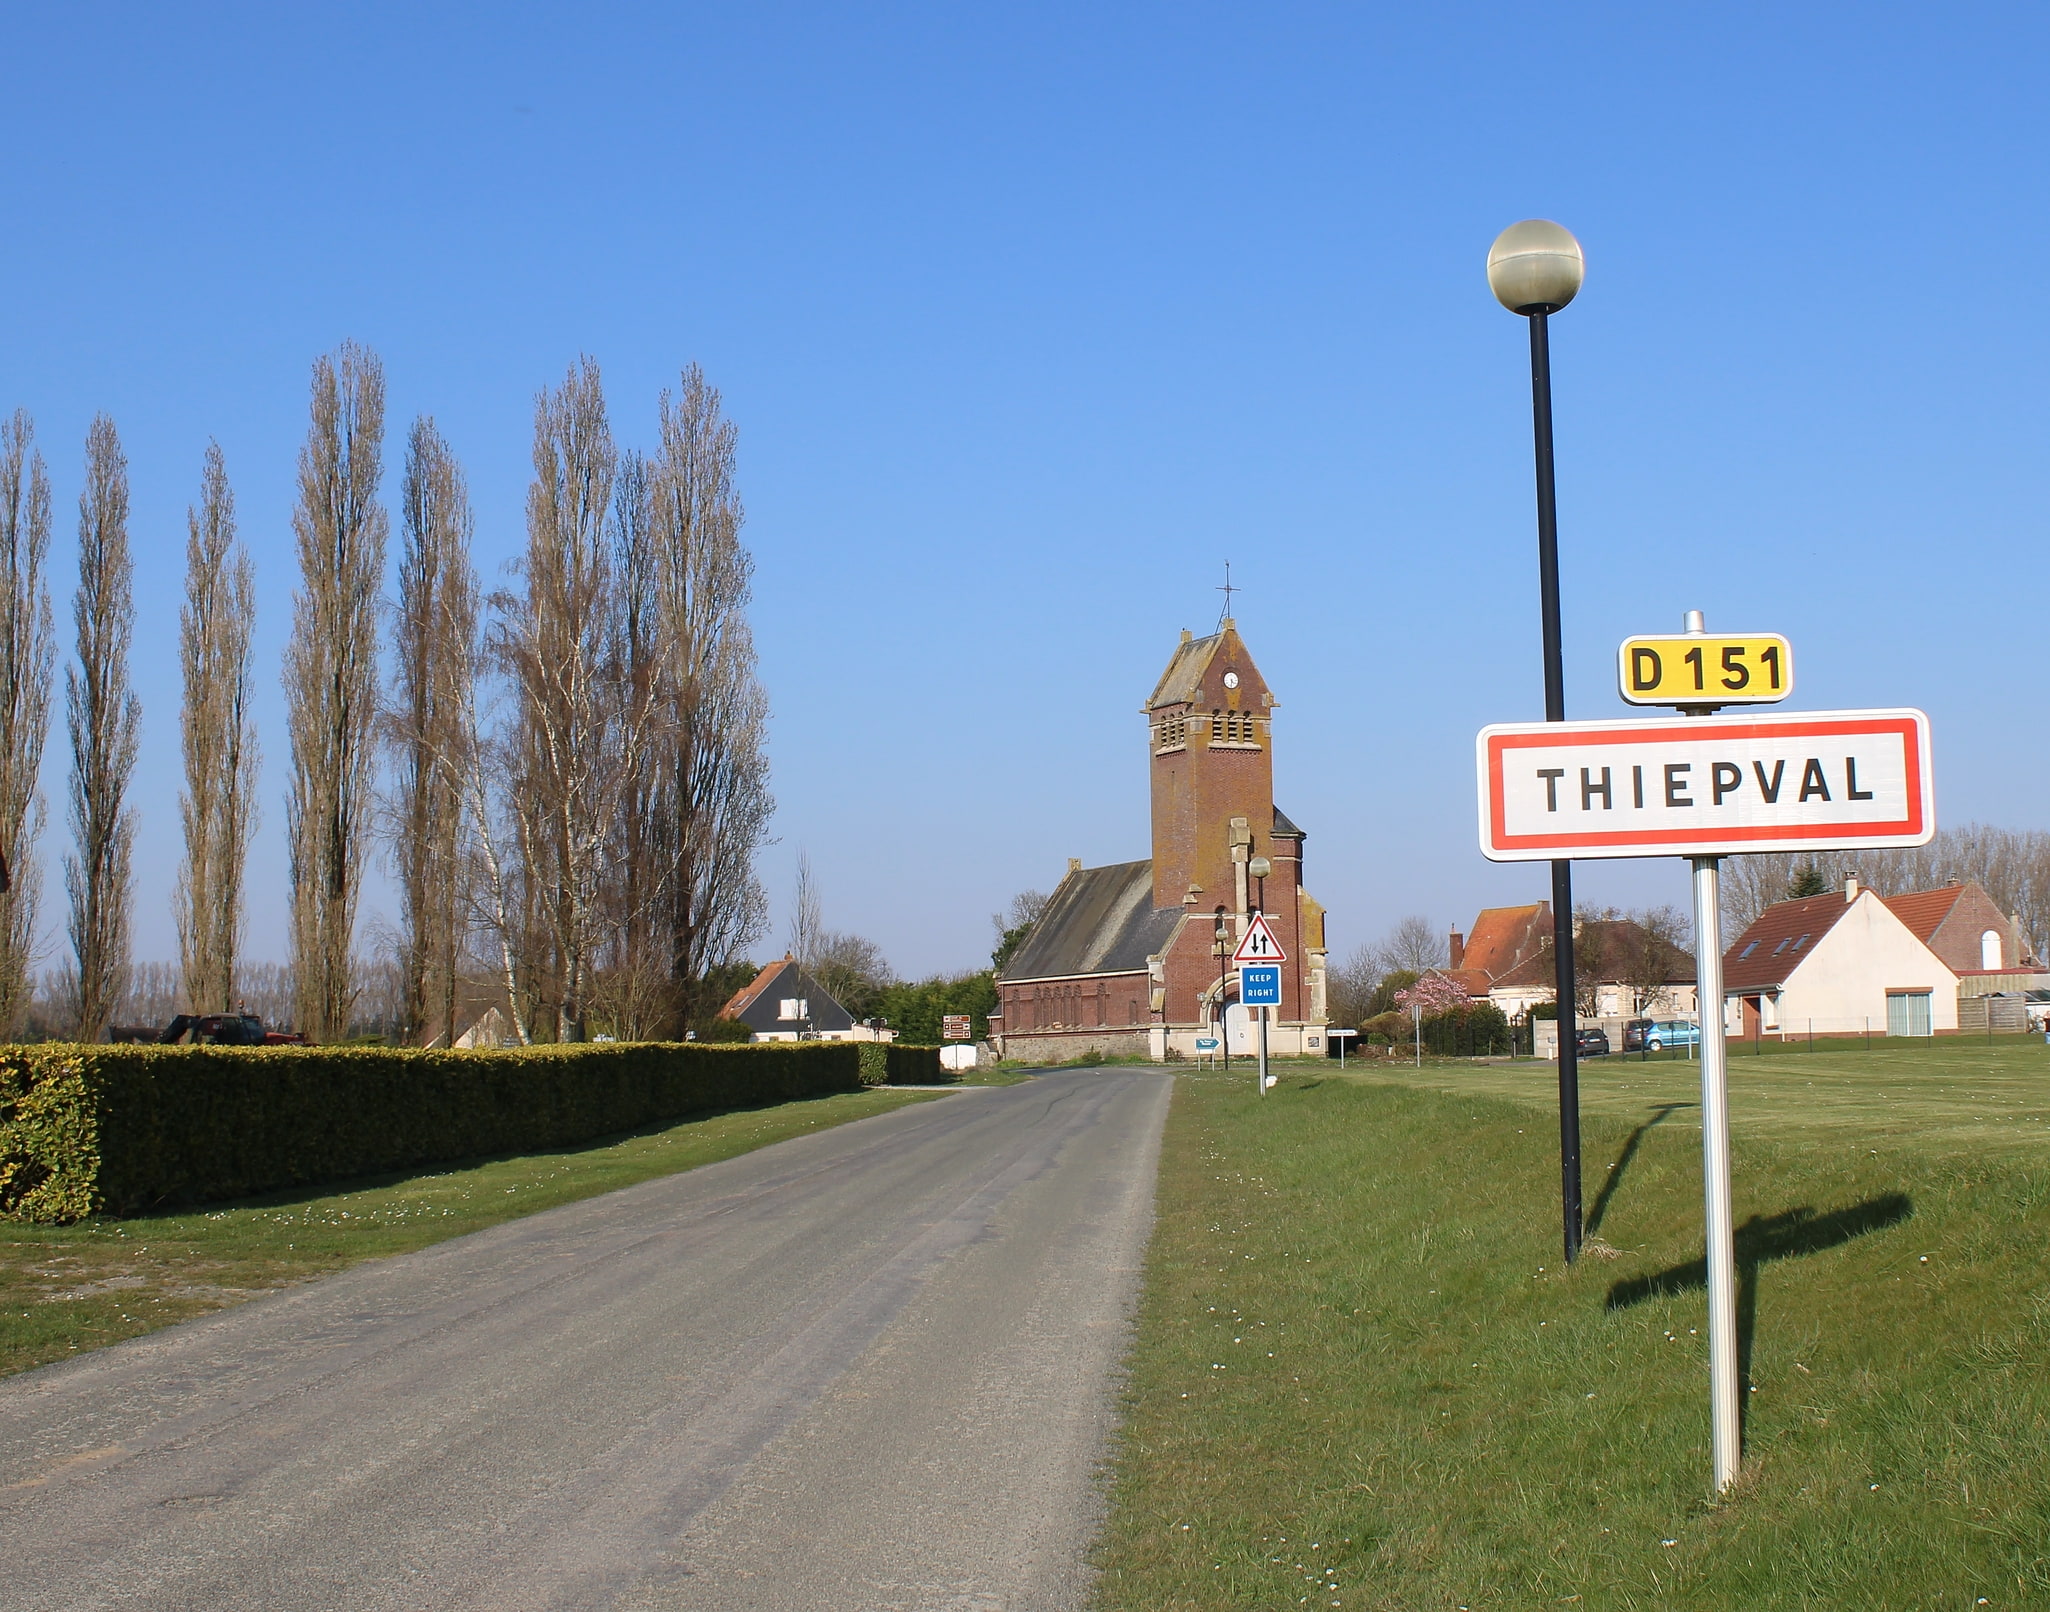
column 914, row 1066
column 118, row 1129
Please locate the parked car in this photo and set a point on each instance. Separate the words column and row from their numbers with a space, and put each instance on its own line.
column 1633, row 1034
column 1592, row 1042
column 1665, row 1033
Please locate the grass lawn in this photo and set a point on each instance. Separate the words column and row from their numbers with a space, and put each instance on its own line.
column 1363, row 1379
column 67, row 1288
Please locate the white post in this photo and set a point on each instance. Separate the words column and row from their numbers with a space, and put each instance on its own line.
column 1725, row 1436
column 1263, row 1052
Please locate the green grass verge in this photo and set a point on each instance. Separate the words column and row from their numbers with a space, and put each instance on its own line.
column 1362, row 1378
column 68, row 1288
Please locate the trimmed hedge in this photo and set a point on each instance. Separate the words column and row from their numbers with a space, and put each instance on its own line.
column 119, row 1129
column 886, row 1063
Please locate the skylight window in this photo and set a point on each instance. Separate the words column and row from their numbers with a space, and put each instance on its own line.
column 1747, row 951
column 1782, row 946
column 1801, row 942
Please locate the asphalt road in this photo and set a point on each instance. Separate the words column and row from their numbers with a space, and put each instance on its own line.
column 873, row 1368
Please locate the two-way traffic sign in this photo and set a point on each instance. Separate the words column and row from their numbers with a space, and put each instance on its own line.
column 1259, row 944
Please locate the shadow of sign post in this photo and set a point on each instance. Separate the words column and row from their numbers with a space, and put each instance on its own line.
column 1790, row 1234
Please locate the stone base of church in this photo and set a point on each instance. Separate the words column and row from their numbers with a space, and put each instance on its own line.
column 1177, row 1042
column 1064, row 1046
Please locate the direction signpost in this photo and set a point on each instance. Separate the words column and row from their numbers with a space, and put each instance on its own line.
column 1259, row 957
column 1703, row 787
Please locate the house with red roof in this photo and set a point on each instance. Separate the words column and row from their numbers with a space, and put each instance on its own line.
column 1987, row 950
column 1842, row 963
column 1507, row 958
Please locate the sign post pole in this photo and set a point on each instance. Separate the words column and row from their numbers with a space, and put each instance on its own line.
column 1725, row 1438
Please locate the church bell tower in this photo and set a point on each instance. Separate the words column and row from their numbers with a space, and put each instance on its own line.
column 1209, row 734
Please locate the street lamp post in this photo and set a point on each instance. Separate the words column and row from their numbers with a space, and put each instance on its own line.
column 1260, row 867
column 1221, row 944
column 1535, row 268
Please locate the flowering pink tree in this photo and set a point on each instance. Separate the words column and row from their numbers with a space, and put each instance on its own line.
column 1432, row 995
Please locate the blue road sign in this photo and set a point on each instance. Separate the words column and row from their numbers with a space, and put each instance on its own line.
column 1260, row 985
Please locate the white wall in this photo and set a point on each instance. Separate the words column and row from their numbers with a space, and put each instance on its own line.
column 1844, row 981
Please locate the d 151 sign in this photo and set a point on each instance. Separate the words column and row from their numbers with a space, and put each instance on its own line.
column 1705, row 786
column 1260, row 985
column 1705, row 669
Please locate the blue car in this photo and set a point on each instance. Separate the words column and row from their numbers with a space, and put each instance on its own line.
column 1663, row 1033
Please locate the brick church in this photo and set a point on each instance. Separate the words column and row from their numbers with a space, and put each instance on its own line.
column 1124, row 961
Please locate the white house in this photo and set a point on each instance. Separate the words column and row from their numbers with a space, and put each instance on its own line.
column 1837, row 964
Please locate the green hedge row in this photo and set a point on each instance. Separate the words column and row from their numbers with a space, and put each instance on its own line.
column 889, row 1063
column 120, row 1129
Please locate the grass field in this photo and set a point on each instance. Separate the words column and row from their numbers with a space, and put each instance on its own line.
column 1363, row 1379
column 67, row 1288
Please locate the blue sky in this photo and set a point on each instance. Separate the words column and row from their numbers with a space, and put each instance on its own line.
column 1031, row 317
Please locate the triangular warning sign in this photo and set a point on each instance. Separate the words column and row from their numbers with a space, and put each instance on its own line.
column 1259, row 945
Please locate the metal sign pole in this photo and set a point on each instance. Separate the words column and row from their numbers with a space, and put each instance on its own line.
column 1263, row 1052
column 1725, row 1434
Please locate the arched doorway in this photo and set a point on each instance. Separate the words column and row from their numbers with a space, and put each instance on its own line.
column 1242, row 1035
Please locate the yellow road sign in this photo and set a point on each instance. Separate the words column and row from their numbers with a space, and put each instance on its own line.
column 1705, row 669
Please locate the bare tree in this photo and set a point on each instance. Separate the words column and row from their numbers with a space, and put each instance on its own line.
column 718, row 805
column 436, row 635
column 852, row 969
column 1015, row 923
column 552, row 642
column 218, row 734
column 102, row 713
column 1413, row 945
column 331, row 677
column 807, row 921
column 27, row 655
column 635, row 992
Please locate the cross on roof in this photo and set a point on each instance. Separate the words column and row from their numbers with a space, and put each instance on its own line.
column 1227, row 590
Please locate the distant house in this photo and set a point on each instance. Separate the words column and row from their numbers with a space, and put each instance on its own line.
column 1627, row 969
column 1845, row 963
column 1991, row 954
column 784, row 1003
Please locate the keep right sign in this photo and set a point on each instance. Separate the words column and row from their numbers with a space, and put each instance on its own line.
column 1705, row 786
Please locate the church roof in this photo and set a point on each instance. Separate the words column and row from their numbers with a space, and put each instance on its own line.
column 1182, row 682
column 1284, row 829
column 1100, row 921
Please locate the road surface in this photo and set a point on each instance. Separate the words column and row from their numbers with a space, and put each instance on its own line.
column 873, row 1368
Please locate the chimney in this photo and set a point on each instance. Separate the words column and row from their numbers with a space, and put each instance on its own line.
column 1457, row 950
column 1850, row 887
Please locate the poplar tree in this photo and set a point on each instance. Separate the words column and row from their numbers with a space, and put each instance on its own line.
column 27, row 657
column 331, row 679
column 428, row 724
column 552, row 641
column 218, row 736
column 717, row 772
column 103, row 714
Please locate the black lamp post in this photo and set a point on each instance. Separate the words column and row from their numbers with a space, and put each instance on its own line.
column 1221, row 944
column 1535, row 269
column 1260, row 867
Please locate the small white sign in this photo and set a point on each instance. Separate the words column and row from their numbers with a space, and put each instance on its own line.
column 1259, row 944
column 1705, row 786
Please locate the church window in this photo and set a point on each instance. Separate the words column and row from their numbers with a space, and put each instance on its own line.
column 1173, row 733
column 1232, row 728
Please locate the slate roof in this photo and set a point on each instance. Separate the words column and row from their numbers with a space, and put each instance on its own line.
column 1284, row 829
column 1183, row 679
column 1780, row 940
column 758, row 1003
column 1100, row 921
